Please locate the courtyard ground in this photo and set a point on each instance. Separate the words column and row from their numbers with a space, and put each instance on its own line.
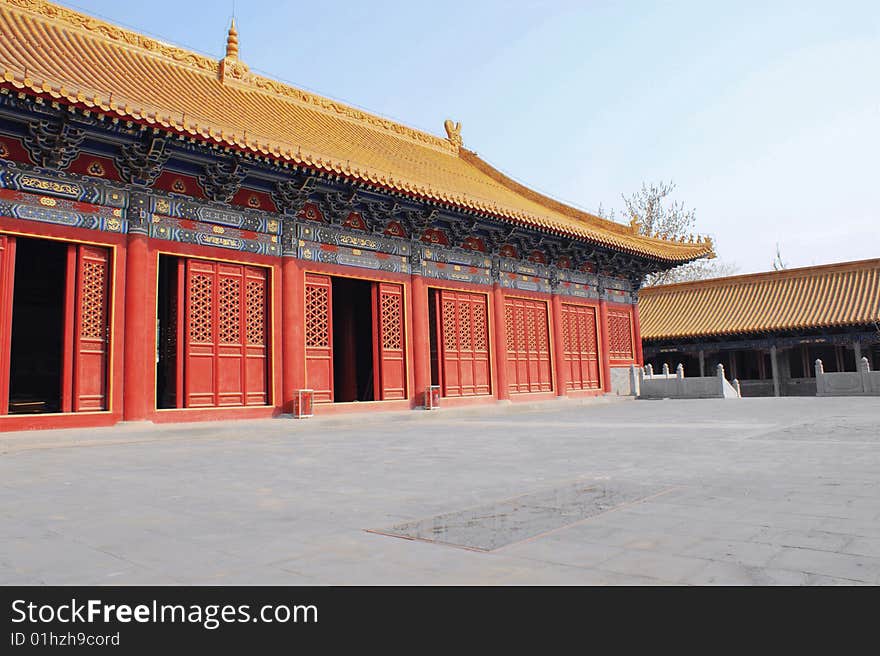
column 748, row 491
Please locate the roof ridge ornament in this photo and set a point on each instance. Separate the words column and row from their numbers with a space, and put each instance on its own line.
column 453, row 132
column 232, row 41
column 231, row 69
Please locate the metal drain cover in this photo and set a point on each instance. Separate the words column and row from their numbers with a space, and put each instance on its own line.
column 495, row 525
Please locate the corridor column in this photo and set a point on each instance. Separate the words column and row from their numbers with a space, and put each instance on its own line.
column 774, row 368
column 293, row 372
column 420, row 339
column 139, row 340
column 603, row 341
column 637, row 332
column 500, row 342
column 559, row 348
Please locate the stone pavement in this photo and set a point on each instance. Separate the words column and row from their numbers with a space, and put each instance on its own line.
column 749, row 491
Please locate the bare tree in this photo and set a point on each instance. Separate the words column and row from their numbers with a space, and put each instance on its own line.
column 778, row 263
column 655, row 214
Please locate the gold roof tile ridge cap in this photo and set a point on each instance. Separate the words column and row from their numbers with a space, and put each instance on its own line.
column 342, row 110
column 761, row 276
column 122, row 36
column 587, row 218
column 131, row 39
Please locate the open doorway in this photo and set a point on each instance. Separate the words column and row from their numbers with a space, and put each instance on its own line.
column 354, row 370
column 354, row 338
column 37, row 350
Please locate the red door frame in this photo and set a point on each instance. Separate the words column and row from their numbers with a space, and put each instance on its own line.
column 115, row 246
column 574, row 358
column 389, row 330
column 530, row 369
column 91, row 328
column 230, row 378
column 7, row 285
column 473, row 361
column 319, row 336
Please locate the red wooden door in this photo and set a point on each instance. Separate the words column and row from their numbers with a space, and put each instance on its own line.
column 7, row 283
column 464, row 342
column 256, row 333
column 390, row 342
column 319, row 336
column 579, row 342
column 226, row 353
column 620, row 335
column 199, row 379
column 528, row 345
column 92, row 329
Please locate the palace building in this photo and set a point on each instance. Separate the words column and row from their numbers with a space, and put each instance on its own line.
column 182, row 239
column 767, row 329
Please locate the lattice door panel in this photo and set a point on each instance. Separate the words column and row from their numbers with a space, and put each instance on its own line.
column 620, row 335
column 256, row 336
column 225, row 333
column 465, row 343
column 392, row 343
column 318, row 322
column 92, row 329
column 579, row 343
column 528, row 340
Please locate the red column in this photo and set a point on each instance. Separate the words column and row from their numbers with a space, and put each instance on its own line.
column 139, row 338
column 559, row 348
column 500, row 342
column 7, row 275
column 603, row 341
column 293, row 372
column 420, row 339
column 637, row 335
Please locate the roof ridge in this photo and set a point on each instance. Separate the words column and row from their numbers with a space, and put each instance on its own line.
column 274, row 121
column 207, row 65
column 563, row 208
column 783, row 274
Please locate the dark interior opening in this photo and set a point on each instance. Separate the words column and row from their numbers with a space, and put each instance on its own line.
column 166, row 334
column 353, row 341
column 433, row 336
column 37, row 326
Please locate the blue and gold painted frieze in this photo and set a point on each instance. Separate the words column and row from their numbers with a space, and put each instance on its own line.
column 617, row 290
column 251, row 220
column 457, row 265
column 60, row 185
column 351, row 239
column 579, row 284
column 204, row 234
column 61, row 211
column 525, row 276
column 354, row 257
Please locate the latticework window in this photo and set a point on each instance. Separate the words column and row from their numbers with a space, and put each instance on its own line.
column 481, row 327
column 392, row 337
column 200, row 309
column 229, row 315
column 255, row 304
column 317, row 317
column 620, row 344
column 450, row 333
column 93, row 313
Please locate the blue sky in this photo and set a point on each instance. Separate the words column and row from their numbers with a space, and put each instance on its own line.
column 766, row 115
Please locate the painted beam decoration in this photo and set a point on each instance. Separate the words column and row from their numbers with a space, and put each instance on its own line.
column 61, row 211
column 332, row 245
column 578, row 284
column 457, row 265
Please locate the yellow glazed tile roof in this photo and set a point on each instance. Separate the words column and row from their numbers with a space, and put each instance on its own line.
column 75, row 59
column 816, row 297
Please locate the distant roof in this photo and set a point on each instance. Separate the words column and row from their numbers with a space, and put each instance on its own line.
column 817, row 297
column 58, row 53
